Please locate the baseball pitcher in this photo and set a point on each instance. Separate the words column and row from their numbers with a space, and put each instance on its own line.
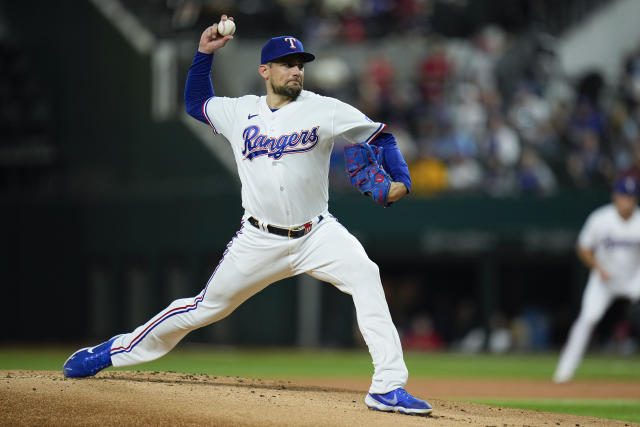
column 282, row 143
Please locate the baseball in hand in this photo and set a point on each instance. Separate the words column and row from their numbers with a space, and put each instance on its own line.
column 226, row 28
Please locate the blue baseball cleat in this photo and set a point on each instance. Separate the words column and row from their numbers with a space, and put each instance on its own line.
column 88, row 361
column 397, row 400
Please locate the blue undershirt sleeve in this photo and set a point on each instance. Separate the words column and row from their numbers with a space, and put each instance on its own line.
column 392, row 160
column 198, row 87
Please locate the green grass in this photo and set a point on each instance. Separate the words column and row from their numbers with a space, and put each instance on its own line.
column 351, row 364
column 292, row 363
column 614, row 409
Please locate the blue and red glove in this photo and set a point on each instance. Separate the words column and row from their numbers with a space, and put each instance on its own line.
column 365, row 171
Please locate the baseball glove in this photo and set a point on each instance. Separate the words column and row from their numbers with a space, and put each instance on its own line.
column 365, row 171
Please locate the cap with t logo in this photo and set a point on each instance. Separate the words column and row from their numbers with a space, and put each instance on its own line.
column 281, row 46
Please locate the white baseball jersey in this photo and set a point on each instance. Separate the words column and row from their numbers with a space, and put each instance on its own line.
column 283, row 155
column 615, row 242
column 616, row 245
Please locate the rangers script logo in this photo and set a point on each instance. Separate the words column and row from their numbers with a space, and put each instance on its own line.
column 257, row 144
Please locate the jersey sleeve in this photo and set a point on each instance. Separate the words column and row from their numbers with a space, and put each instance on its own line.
column 588, row 237
column 392, row 160
column 198, row 88
column 353, row 124
column 219, row 112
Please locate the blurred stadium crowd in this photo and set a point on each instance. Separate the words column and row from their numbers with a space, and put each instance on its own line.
column 487, row 108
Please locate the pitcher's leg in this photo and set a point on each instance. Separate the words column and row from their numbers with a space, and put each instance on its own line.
column 595, row 301
column 332, row 254
column 376, row 326
column 241, row 273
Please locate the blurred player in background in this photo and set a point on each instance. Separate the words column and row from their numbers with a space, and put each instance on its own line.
column 609, row 245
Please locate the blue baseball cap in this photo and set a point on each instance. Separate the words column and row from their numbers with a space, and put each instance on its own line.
column 626, row 185
column 281, row 46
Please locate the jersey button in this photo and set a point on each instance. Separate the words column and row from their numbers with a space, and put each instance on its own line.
column 281, row 188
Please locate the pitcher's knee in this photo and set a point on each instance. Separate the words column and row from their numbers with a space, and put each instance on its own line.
column 218, row 305
column 365, row 270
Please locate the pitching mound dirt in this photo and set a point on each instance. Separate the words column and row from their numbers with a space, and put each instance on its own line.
column 46, row 398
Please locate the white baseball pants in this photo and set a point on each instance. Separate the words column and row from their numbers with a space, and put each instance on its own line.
column 597, row 297
column 253, row 260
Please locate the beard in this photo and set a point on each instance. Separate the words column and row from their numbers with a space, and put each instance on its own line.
column 288, row 91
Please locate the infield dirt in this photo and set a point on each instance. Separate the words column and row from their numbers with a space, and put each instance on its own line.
column 123, row 398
